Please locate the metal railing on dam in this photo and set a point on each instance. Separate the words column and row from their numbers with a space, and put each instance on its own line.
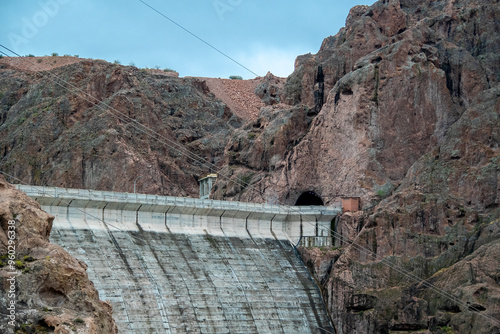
column 182, row 265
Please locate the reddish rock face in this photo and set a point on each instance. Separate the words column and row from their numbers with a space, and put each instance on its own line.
column 400, row 108
column 381, row 93
column 416, row 123
column 66, row 138
column 53, row 291
column 404, row 112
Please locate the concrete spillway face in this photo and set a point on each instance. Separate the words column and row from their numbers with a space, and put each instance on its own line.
column 169, row 269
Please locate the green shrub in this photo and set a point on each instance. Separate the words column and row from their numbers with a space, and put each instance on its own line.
column 55, row 54
column 117, row 62
column 447, row 329
column 235, row 77
column 21, row 120
column 245, row 179
column 30, row 55
column 19, row 264
column 168, row 70
column 28, row 258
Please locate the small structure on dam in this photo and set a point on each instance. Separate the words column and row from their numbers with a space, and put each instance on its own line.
column 206, row 184
column 181, row 265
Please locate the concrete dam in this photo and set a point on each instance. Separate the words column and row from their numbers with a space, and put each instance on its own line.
column 182, row 265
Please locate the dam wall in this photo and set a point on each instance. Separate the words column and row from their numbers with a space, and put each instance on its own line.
column 182, row 265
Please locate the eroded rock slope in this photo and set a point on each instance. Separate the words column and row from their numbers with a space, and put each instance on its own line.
column 52, row 290
column 75, row 126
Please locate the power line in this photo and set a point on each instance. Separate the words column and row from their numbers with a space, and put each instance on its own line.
column 198, row 38
column 201, row 160
column 129, row 120
column 415, row 278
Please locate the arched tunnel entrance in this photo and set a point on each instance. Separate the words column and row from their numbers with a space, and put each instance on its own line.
column 309, row 198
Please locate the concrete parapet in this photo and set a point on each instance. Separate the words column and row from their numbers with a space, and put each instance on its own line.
column 130, row 212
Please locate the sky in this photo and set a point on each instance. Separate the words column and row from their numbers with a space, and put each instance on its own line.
column 260, row 35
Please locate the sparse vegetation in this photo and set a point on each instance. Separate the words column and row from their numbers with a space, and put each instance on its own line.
column 117, row 62
column 131, row 64
column 235, row 77
column 76, row 56
column 20, row 264
column 157, row 67
column 30, row 55
column 245, row 179
column 55, row 54
column 28, row 258
column 447, row 329
column 79, row 321
column 30, row 328
column 39, row 60
column 21, row 120
column 168, row 70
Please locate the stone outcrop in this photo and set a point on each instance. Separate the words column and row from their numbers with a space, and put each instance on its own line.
column 70, row 134
column 418, row 120
column 269, row 89
column 386, row 90
column 52, row 289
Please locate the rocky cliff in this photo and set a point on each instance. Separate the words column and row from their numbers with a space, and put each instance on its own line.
column 43, row 288
column 411, row 126
column 400, row 108
column 76, row 126
column 381, row 93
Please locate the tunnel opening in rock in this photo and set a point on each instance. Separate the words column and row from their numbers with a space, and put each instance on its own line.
column 309, row 198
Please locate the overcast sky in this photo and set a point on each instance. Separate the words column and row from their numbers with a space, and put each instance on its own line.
column 261, row 35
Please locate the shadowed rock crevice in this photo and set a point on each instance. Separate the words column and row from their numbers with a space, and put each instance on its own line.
column 319, row 90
